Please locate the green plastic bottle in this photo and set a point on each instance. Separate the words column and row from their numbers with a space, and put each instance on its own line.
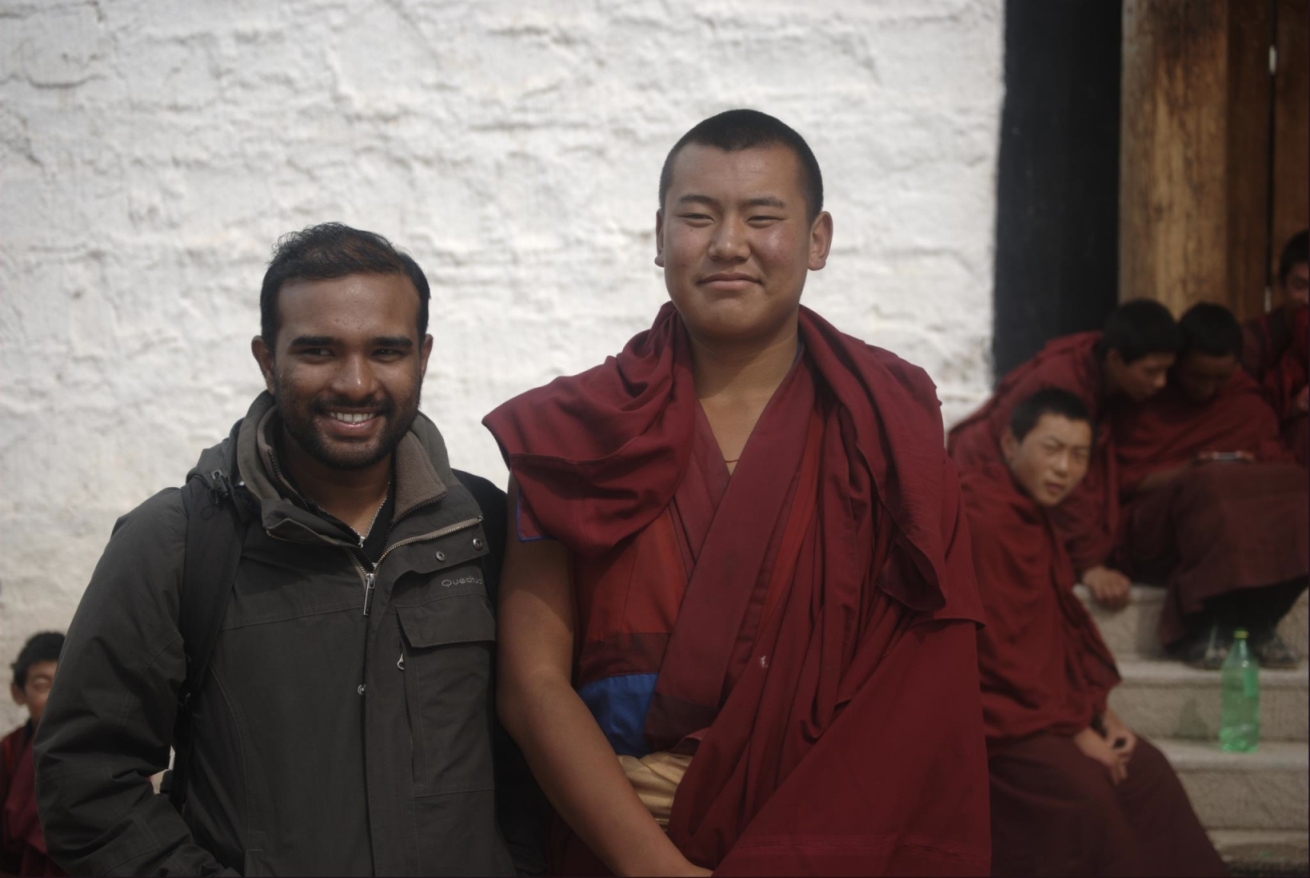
column 1239, row 723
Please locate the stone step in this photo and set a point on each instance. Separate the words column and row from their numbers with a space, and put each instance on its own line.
column 1264, row 853
column 1132, row 631
column 1265, row 790
column 1167, row 699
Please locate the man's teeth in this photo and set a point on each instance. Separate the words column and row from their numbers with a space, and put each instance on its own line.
column 352, row 417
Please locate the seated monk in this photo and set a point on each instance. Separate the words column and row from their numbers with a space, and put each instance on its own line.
column 1074, row 791
column 1266, row 339
column 1214, row 504
column 23, row 848
column 1126, row 361
column 1287, row 391
column 737, row 627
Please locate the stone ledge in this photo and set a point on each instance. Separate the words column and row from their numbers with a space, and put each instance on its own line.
column 1264, row 790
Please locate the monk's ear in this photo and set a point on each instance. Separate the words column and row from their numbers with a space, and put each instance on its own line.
column 1009, row 447
column 264, row 357
column 659, row 238
column 17, row 694
column 820, row 241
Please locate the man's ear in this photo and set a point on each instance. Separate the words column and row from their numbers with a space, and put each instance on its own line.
column 659, row 238
column 1009, row 447
column 264, row 357
column 17, row 694
column 424, row 351
column 820, row 240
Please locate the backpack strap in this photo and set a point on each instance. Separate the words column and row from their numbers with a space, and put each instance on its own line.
column 215, row 532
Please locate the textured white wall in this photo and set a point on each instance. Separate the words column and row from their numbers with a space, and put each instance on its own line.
column 152, row 151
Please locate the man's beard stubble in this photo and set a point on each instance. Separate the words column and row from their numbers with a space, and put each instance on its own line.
column 298, row 413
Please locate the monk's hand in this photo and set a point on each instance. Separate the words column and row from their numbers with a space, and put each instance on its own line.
column 1120, row 738
column 1109, row 587
column 1095, row 747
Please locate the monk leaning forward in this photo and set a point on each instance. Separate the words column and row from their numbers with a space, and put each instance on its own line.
column 1215, row 506
column 1126, row 361
column 738, row 614
column 1074, row 791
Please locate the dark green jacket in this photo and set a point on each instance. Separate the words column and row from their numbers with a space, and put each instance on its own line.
column 327, row 741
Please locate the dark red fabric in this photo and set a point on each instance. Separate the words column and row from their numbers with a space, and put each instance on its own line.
column 1216, row 527
column 1041, row 659
column 1169, row 429
column 1055, row 813
column 1286, row 381
column 22, row 844
column 1264, row 340
column 1088, row 519
column 831, row 750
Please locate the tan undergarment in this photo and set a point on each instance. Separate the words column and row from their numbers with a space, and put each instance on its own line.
column 655, row 777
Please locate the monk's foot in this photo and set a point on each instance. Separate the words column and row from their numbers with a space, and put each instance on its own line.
column 1206, row 649
column 1272, row 651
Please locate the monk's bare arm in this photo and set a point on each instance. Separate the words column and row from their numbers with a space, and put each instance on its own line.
column 568, row 753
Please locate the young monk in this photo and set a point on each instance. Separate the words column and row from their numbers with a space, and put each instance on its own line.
column 22, row 843
column 1214, row 504
column 1267, row 339
column 1286, row 388
column 1126, row 361
column 1074, row 790
column 738, row 610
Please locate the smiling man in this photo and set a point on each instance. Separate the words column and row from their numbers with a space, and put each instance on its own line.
column 1126, row 361
column 1074, row 791
column 345, row 723
column 738, row 615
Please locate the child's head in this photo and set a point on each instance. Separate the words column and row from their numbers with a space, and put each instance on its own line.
column 34, row 672
column 1048, row 445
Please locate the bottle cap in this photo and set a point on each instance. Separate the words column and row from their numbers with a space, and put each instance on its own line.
column 1239, row 634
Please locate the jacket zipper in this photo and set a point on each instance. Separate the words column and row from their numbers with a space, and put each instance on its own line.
column 369, row 577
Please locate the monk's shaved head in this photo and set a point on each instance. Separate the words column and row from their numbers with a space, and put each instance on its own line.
column 737, row 130
column 1051, row 401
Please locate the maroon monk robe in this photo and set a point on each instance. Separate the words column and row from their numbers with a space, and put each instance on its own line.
column 848, row 741
column 1217, row 527
column 1089, row 519
column 1264, row 341
column 1285, row 384
column 1045, row 676
column 22, row 844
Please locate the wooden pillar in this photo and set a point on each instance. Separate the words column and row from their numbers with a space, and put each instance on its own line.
column 1291, row 171
column 1194, row 174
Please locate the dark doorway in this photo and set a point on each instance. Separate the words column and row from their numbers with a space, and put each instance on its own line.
column 1057, row 214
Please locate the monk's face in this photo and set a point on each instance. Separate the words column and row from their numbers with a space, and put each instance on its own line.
column 1052, row 459
column 1141, row 379
column 35, row 689
column 1201, row 376
column 1296, row 289
column 735, row 241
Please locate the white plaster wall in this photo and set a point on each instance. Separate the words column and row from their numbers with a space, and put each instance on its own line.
column 151, row 152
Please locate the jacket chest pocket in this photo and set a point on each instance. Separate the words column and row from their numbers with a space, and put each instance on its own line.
column 447, row 647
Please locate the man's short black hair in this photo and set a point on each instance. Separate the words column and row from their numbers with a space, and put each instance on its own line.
column 1210, row 329
column 1049, row 401
column 43, row 647
column 1295, row 252
column 332, row 250
column 736, row 130
column 1138, row 328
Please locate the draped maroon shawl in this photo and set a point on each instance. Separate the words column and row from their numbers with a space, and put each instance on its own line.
column 22, row 844
column 851, row 742
column 1043, row 664
column 1169, row 429
column 1286, row 381
column 1088, row 519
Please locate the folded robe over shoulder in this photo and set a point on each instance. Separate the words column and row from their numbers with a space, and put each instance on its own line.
column 806, row 626
column 1217, row 527
column 1043, row 664
column 1089, row 518
column 1285, row 382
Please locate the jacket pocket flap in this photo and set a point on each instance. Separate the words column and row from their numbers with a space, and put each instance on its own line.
column 456, row 619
